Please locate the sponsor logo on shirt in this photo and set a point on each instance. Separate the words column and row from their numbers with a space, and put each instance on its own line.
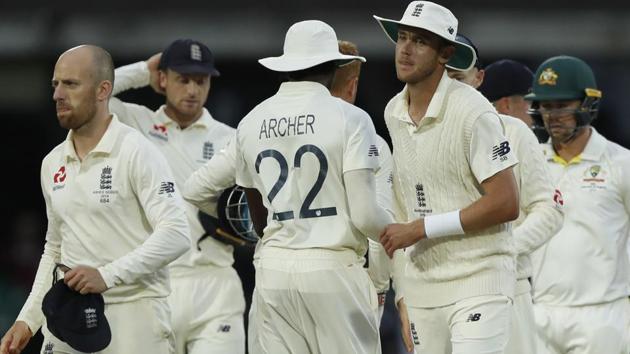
column 208, row 150
column 500, row 151
column 159, row 131
column 48, row 348
column 167, row 188
column 59, row 178
column 557, row 198
column 373, row 151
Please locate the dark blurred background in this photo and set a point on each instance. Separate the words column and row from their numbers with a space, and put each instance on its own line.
column 34, row 33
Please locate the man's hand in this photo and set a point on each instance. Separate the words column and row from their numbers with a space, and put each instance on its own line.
column 405, row 327
column 398, row 236
column 154, row 81
column 16, row 338
column 85, row 280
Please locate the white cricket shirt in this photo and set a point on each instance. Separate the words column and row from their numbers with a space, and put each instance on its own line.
column 540, row 214
column 294, row 148
column 118, row 210
column 586, row 262
column 186, row 150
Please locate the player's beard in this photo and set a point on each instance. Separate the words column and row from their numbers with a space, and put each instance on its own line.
column 184, row 114
column 562, row 133
column 421, row 71
column 79, row 115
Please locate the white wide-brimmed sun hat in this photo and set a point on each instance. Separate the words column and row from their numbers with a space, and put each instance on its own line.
column 438, row 20
column 307, row 44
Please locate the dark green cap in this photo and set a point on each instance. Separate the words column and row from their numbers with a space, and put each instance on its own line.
column 563, row 78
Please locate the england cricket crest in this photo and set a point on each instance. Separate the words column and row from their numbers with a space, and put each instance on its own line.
column 208, row 150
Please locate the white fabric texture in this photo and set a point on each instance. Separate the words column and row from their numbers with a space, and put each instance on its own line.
column 118, row 210
column 438, row 167
column 479, row 324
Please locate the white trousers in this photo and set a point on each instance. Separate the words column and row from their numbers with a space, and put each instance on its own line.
column 594, row 329
column 207, row 310
column 522, row 338
column 142, row 326
column 312, row 301
column 476, row 325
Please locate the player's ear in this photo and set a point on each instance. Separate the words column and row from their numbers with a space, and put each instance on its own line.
column 162, row 78
column 104, row 90
column 353, row 87
column 479, row 77
column 445, row 53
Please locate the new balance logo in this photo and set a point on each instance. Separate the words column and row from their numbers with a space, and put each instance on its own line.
column 417, row 11
column 373, row 151
column 224, row 328
column 501, row 151
column 473, row 317
column 167, row 188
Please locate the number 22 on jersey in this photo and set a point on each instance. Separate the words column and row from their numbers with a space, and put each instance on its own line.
column 305, row 210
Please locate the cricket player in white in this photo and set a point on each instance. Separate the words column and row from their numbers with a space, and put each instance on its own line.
column 207, row 301
column 299, row 149
column 540, row 210
column 345, row 86
column 115, row 216
column 452, row 171
column 581, row 280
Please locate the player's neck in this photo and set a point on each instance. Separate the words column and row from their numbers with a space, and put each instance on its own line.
column 86, row 137
column 182, row 120
column 420, row 94
column 574, row 147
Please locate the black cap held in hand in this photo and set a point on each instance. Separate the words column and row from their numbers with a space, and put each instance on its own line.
column 79, row 320
column 187, row 56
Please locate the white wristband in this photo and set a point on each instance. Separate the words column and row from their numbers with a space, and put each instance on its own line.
column 445, row 224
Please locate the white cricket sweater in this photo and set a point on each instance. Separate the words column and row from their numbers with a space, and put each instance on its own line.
column 434, row 172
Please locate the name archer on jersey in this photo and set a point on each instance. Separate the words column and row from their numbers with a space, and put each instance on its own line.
column 287, row 126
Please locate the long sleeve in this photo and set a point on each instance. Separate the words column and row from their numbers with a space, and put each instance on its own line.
column 379, row 268
column 31, row 312
column 366, row 214
column 131, row 76
column 542, row 216
column 128, row 77
column 205, row 185
column 164, row 209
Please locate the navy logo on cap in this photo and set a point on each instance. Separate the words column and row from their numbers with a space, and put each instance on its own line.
column 418, row 10
column 451, row 30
